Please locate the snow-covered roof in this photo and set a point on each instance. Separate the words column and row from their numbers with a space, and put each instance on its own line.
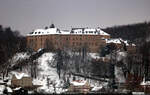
column 17, row 88
column 89, row 31
column 95, row 88
column 116, row 41
column 145, row 82
column 20, row 75
column 78, row 83
column 45, row 31
column 75, row 31
column 9, row 89
column 2, row 87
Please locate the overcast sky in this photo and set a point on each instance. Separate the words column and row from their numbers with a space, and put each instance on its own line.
column 26, row 15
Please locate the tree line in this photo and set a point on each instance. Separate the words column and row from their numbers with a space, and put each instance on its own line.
column 10, row 42
column 131, row 32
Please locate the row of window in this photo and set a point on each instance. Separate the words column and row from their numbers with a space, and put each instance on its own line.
column 78, row 44
column 84, row 32
column 80, row 38
column 67, row 39
column 74, row 43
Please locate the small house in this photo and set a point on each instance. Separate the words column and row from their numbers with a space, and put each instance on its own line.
column 79, row 86
column 21, row 80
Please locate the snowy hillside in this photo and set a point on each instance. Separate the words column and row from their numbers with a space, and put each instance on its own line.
column 47, row 76
column 47, row 72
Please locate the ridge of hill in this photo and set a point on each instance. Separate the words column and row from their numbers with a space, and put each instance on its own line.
column 132, row 32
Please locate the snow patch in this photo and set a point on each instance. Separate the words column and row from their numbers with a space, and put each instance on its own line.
column 121, row 55
column 78, row 83
column 116, row 41
column 2, row 87
column 144, row 83
column 9, row 89
column 119, row 75
column 94, row 55
column 97, row 88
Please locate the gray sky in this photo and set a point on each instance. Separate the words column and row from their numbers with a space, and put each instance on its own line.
column 26, row 15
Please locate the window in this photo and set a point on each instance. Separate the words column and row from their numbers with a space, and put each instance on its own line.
column 95, row 44
column 90, row 44
column 66, row 38
column 41, row 39
column 86, row 38
column 73, row 43
column 77, row 43
column 80, row 43
column 91, row 32
column 72, row 31
column 76, row 38
column 89, row 37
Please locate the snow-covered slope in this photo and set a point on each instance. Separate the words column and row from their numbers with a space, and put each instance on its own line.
column 18, row 57
column 119, row 75
column 47, row 72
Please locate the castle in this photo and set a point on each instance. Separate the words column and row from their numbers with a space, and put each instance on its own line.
column 76, row 39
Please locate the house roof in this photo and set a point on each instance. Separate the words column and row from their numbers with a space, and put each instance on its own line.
column 20, row 75
column 78, row 82
column 116, row 41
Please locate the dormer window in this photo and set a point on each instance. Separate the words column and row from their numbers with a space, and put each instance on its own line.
column 31, row 33
column 91, row 32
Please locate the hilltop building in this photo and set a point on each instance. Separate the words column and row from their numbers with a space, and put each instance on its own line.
column 75, row 39
column 78, row 38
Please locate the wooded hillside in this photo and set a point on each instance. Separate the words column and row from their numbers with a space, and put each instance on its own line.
column 132, row 32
